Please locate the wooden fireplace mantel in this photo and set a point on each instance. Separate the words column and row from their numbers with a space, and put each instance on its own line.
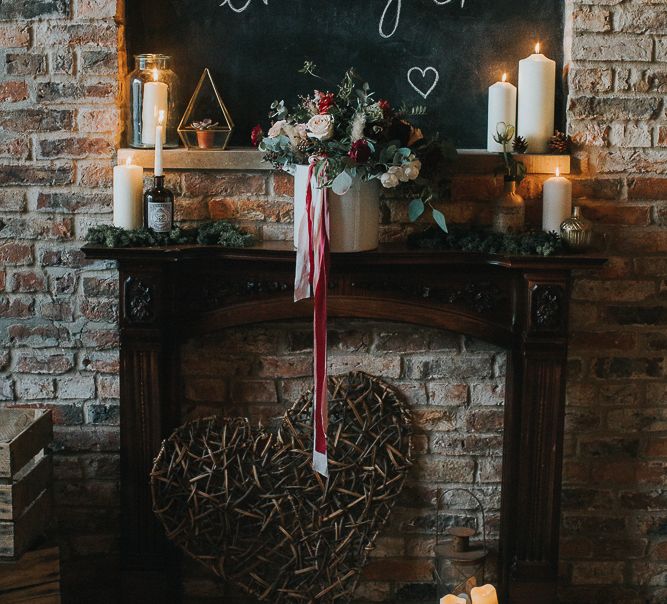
column 521, row 303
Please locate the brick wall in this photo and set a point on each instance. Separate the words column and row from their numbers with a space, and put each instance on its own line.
column 59, row 125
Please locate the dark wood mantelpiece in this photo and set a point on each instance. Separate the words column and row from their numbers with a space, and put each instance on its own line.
column 521, row 303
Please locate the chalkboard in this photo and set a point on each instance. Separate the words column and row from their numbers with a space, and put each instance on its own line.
column 440, row 53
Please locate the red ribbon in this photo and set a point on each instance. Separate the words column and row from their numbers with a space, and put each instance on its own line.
column 318, row 261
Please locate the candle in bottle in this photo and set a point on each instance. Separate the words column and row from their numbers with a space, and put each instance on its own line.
column 156, row 97
column 127, row 193
column 502, row 108
column 537, row 100
column 484, row 595
column 557, row 202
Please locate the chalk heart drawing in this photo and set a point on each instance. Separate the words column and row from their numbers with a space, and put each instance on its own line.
column 418, row 79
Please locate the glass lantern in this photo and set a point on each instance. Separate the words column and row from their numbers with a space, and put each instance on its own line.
column 153, row 87
column 460, row 559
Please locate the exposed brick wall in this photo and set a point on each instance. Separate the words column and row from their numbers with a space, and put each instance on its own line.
column 60, row 123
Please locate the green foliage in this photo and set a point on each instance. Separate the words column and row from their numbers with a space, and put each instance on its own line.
column 532, row 243
column 210, row 233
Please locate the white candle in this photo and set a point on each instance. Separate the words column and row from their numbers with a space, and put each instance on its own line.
column 557, row 202
column 156, row 95
column 159, row 129
column 484, row 595
column 452, row 599
column 502, row 108
column 537, row 99
column 128, row 183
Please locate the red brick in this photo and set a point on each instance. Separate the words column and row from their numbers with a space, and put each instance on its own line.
column 12, row 36
column 78, row 147
column 16, row 253
column 648, row 188
column 634, row 215
column 657, row 447
column 228, row 185
column 27, row 282
column 13, row 92
column 283, row 184
column 16, row 307
column 54, row 363
column 582, row 340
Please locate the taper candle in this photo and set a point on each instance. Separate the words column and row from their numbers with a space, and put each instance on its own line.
column 159, row 129
column 156, row 98
column 502, row 108
column 557, row 202
column 537, row 100
column 128, row 183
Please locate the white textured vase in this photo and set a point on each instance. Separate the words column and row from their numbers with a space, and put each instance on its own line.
column 354, row 218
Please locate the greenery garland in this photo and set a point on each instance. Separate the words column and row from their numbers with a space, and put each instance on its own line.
column 530, row 243
column 220, row 232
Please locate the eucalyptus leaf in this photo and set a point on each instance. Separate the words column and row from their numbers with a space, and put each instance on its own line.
column 416, row 209
column 341, row 184
column 439, row 217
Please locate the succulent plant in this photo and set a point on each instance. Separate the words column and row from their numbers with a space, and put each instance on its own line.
column 206, row 124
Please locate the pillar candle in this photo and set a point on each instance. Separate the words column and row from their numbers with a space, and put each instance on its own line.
column 159, row 129
column 502, row 108
column 156, row 95
column 452, row 599
column 128, row 183
column 557, row 202
column 537, row 99
column 484, row 595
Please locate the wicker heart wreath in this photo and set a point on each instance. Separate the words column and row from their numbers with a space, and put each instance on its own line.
column 246, row 503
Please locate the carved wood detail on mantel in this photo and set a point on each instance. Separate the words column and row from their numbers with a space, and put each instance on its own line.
column 521, row 303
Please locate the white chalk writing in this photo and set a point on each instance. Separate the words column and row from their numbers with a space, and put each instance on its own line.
column 421, row 86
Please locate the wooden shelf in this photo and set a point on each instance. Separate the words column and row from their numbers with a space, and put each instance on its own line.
column 245, row 158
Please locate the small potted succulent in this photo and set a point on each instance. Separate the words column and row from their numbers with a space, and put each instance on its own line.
column 205, row 133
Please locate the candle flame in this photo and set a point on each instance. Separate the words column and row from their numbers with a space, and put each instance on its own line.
column 128, row 161
column 557, row 171
column 538, row 46
column 155, row 74
column 160, row 118
column 504, row 77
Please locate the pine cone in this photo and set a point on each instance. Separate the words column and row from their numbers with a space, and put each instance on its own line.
column 520, row 145
column 304, row 145
column 560, row 143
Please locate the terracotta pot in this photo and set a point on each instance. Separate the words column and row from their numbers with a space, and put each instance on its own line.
column 354, row 218
column 510, row 210
column 205, row 139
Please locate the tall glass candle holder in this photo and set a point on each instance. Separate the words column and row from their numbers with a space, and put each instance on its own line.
column 153, row 87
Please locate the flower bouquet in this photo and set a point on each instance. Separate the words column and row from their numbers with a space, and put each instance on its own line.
column 350, row 137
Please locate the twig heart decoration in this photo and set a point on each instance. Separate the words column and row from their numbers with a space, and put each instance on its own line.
column 425, row 92
column 246, row 503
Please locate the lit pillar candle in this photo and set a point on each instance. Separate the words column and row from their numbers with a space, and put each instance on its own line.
column 159, row 130
column 537, row 99
column 484, row 595
column 502, row 108
column 557, row 202
column 156, row 97
column 128, row 182
column 452, row 599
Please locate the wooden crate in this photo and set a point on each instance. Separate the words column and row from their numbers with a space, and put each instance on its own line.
column 34, row 578
column 25, row 478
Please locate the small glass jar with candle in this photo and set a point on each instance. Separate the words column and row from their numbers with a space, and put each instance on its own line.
column 153, row 87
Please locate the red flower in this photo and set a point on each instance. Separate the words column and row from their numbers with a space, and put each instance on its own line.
column 325, row 101
column 385, row 106
column 360, row 151
column 256, row 135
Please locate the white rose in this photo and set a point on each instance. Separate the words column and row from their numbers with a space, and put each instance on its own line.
column 412, row 169
column 321, row 127
column 276, row 129
column 389, row 180
column 399, row 172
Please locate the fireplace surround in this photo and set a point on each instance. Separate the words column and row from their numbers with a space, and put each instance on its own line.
column 520, row 303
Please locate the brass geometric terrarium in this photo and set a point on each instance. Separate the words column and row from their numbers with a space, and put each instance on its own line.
column 207, row 123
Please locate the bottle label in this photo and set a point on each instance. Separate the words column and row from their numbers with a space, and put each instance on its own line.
column 159, row 217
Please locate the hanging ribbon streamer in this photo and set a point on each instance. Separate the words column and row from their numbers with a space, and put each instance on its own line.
column 312, row 271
